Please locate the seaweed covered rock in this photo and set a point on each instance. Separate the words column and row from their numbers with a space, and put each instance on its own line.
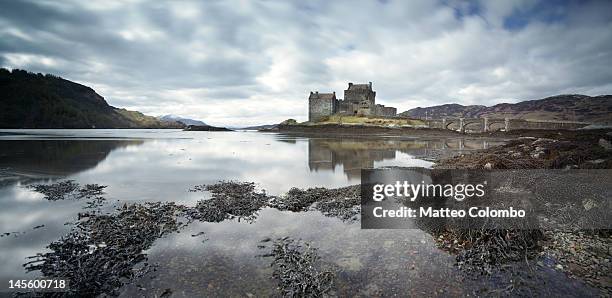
column 484, row 250
column 298, row 269
column 586, row 150
column 103, row 252
column 68, row 189
column 229, row 200
column 297, row 200
column 343, row 202
column 241, row 200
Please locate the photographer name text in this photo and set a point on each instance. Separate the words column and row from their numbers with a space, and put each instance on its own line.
column 447, row 212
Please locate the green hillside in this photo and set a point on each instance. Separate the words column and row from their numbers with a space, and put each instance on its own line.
column 29, row 100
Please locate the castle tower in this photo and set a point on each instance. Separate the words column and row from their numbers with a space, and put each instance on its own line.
column 321, row 105
column 359, row 99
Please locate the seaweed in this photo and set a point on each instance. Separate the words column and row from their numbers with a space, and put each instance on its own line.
column 343, row 203
column 484, row 250
column 297, row 268
column 229, row 200
column 103, row 252
column 68, row 189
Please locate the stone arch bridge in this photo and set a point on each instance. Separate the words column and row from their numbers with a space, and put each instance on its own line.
column 492, row 124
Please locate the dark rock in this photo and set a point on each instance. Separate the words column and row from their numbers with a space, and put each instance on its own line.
column 205, row 128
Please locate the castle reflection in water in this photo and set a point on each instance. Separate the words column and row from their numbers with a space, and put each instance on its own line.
column 354, row 154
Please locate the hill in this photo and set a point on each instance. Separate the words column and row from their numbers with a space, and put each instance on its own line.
column 29, row 100
column 582, row 108
column 186, row 121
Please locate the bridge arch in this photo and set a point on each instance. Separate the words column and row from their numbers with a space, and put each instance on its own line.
column 452, row 124
column 497, row 124
column 471, row 123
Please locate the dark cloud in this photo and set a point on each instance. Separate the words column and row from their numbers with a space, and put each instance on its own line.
column 233, row 62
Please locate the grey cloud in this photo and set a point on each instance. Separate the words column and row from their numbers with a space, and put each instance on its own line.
column 199, row 58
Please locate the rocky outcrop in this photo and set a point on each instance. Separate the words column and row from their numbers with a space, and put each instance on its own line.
column 205, row 128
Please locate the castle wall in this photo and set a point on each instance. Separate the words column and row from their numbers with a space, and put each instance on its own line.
column 320, row 107
column 388, row 112
column 346, row 108
column 366, row 110
column 381, row 110
column 350, row 108
column 378, row 110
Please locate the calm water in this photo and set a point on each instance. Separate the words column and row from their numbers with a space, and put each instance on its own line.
column 161, row 165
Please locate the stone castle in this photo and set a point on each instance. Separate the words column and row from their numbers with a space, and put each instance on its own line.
column 359, row 99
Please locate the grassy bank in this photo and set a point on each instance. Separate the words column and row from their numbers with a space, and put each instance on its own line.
column 370, row 121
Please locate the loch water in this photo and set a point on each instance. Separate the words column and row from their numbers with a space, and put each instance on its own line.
column 162, row 165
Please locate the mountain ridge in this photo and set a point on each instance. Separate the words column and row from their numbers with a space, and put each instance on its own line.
column 564, row 107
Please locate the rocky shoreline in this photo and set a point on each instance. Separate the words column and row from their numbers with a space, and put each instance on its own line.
column 541, row 150
column 581, row 254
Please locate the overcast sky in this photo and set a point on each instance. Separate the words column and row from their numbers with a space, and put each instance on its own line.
column 254, row 62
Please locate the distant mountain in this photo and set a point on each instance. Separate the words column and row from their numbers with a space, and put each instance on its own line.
column 29, row 100
column 270, row 126
column 186, row 121
column 574, row 107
